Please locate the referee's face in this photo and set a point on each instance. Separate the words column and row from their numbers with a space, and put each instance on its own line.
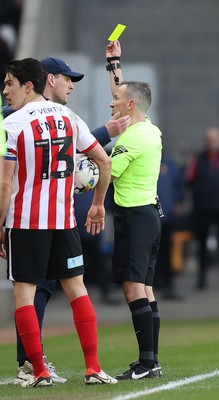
column 120, row 102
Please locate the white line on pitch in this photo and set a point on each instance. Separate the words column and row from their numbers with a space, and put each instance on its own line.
column 6, row 381
column 168, row 386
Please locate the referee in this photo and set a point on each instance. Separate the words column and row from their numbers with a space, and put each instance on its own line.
column 136, row 162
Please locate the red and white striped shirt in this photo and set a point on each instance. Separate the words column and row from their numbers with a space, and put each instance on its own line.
column 42, row 138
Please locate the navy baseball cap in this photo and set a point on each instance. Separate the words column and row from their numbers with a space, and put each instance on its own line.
column 54, row 66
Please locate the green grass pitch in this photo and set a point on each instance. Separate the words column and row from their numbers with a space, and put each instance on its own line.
column 187, row 349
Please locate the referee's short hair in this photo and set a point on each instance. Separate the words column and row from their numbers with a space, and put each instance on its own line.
column 140, row 92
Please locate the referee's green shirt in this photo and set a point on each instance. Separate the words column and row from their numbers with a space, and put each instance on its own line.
column 2, row 132
column 136, row 162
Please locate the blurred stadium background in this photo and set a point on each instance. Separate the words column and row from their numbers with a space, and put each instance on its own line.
column 178, row 40
column 172, row 44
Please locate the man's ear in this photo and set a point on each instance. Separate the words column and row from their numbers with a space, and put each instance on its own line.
column 29, row 87
column 130, row 104
column 50, row 79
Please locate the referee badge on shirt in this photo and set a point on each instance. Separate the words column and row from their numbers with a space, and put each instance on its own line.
column 119, row 150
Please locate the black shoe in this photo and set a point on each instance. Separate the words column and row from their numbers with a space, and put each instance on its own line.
column 138, row 371
column 157, row 370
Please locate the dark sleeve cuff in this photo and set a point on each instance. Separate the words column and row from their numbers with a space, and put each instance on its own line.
column 6, row 110
column 102, row 135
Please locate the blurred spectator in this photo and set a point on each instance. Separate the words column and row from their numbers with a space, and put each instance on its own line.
column 203, row 177
column 171, row 194
column 7, row 46
column 10, row 13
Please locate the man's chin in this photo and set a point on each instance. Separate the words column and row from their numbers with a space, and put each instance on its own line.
column 15, row 107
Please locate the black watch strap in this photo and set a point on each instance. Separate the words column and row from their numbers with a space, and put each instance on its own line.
column 112, row 67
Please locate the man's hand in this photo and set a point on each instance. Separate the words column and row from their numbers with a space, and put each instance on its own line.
column 113, row 49
column 95, row 219
column 2, row 245
column 115, row 126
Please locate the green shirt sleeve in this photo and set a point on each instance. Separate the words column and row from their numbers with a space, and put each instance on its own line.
column 2, row 131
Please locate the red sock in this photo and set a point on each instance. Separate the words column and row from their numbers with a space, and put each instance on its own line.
column 29, row 332
column 85, row 322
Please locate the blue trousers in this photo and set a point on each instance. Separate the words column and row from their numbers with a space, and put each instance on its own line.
column 43, row 293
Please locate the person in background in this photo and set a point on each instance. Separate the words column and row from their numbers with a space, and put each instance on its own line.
column 203, row 178
column 59, row 84
column 136, row 160
column 10, row 13
column 171, row 194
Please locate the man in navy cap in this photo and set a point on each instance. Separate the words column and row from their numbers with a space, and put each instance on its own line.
column 59, row 84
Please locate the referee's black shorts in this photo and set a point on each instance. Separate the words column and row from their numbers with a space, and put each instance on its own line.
column 137, row 232
column 37, row 255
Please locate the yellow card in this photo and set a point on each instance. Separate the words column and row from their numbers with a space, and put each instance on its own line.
column 117, row 32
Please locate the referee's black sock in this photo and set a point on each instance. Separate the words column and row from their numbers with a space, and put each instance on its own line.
column 156, row 328
column 143, row 324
